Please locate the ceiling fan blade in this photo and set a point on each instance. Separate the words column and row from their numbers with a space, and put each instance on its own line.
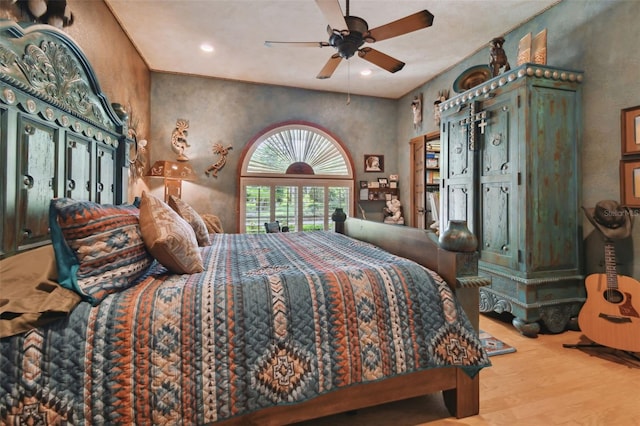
column 405, row 25
column 333, row 14
column 330, row 66
column 297, row 43
column 380, row 59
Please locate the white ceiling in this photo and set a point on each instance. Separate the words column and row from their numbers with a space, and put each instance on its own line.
column 168, row 33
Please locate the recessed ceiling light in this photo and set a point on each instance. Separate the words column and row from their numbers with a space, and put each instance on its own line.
column 365, row 73
column 206, row 47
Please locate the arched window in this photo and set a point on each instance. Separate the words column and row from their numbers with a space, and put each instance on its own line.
column 297, row 174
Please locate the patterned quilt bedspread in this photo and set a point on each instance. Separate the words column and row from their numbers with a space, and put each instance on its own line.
column 273, row 319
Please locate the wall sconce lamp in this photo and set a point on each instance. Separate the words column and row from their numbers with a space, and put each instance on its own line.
column 173, row 173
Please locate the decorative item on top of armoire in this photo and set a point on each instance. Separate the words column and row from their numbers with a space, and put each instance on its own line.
column 416, row 110
column 510, row 167
column 533, row 50
column 222, row 153
column 610, row 316
column 498, row 57
column 179, row 139
column 471, row 77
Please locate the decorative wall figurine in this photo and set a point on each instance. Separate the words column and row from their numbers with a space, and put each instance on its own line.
column 222, row 153
column 179, row 139
column 498, row 57
column 416, row 108
column 443, row 95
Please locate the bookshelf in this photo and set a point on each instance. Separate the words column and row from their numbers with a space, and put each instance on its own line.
column 425, row 180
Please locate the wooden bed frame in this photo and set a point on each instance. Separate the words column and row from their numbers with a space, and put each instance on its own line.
column 69, row 142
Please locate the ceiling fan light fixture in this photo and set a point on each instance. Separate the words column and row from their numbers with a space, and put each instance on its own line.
column 206, row 47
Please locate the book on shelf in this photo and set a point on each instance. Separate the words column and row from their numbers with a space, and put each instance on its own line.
column 433, row 199
column 433, row 146
column 432, row 160
column 432, row 176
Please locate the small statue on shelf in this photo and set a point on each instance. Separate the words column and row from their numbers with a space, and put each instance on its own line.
column 498, row 57
column 393, row 212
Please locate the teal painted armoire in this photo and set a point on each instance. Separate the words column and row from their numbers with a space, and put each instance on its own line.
column 511, row 169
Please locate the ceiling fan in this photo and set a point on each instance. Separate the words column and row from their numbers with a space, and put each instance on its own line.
column 347, row 34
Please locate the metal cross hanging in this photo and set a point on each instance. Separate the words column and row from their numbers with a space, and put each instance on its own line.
column 467, row 124
column 476, row 116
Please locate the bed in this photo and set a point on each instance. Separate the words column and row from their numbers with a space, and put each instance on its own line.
column 266, row 329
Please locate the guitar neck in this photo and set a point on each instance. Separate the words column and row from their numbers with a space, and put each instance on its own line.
column 610, row 265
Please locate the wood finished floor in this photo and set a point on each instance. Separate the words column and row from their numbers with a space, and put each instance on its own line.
column 542, row 383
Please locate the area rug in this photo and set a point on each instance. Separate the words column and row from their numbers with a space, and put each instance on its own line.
column 494, row 346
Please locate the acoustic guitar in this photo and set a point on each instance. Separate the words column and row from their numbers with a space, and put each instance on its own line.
column 608, row 316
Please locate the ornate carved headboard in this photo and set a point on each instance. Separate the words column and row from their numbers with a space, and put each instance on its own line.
column 59, row 135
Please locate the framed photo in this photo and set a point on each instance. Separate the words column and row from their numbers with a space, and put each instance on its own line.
column 373, row 163
column 384, row 182
column 393, row 178
column 630, row 183
column 630, row 118
column 364, row 184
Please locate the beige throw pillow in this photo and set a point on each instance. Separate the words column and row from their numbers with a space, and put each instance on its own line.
column 192, row 217
column 168, row 237
column 214, row 225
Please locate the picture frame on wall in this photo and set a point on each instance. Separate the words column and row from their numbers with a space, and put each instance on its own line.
column 373, row 163
column 630, row 131
column 630, row 183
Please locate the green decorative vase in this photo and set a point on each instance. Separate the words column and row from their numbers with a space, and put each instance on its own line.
column 458, row 237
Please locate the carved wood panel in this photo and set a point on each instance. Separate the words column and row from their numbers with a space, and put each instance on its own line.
column 495, row 235
column 37, row 153
column 458, row 201
column 78, row 173
column 459, row 157
column 496, row 156
column 105, row 169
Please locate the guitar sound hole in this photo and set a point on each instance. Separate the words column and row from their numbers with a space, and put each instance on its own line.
column 613, row 296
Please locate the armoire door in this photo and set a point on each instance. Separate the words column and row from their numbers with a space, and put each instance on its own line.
column 458, row 160
column 498, row 171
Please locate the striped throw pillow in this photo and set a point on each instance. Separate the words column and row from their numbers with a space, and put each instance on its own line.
column 99, row 248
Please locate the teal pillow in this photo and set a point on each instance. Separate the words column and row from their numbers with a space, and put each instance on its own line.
column 99, row 248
